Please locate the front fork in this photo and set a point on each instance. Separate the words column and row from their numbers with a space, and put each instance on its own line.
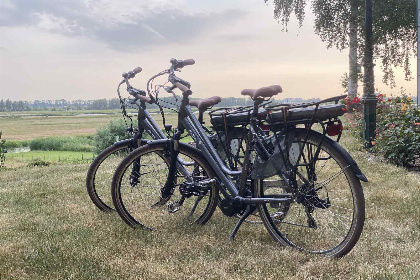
column 135, row 170
column 168, row 189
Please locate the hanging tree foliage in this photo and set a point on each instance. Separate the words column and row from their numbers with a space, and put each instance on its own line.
column 395, row 35
column 394, row 28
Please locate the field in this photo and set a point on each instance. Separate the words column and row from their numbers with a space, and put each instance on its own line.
column 38, row 124
column 51, row 230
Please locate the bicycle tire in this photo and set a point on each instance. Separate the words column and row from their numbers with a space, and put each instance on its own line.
column 337, row 226
column 99, row 175
column 136, row 203
column 99, row 190
column 238, row 138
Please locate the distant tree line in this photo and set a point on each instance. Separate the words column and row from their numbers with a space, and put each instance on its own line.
column 114, row 103
column 59, row 104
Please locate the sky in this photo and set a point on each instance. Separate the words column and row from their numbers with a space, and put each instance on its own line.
column 77, row 49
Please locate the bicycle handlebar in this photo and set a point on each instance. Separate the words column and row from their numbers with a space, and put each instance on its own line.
column 183, row 88
column 137, row 70
column 178, row 64
column 143, row 98
column 136, row 93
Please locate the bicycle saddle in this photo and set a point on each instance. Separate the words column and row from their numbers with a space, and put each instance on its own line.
column 264, row 92
column 204, row 104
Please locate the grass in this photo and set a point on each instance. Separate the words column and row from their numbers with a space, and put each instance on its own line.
column 51, row 230
column 14, row 160
column 50, row 113
column 29, row 128
column 32, row 125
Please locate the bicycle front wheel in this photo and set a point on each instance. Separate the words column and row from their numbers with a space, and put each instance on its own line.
column 327, row 213
column 99, row 175
column 137, row 183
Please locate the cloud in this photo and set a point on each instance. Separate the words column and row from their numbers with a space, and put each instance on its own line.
column 123, row 25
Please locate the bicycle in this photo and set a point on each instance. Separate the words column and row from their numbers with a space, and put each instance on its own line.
column 285, row 182
column 99, row 175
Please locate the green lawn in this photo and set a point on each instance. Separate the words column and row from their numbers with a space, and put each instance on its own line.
column 51, row 230
column 53, row 157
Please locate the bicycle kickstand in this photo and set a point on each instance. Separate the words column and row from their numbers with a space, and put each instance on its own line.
column 249, row 210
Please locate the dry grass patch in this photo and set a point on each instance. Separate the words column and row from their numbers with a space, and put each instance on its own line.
column 53, row 231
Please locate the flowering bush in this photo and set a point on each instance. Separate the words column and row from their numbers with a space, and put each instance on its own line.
column 397, row 128
column 353, row 104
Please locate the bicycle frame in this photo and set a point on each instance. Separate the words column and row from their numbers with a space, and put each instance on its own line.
column 187, row 120
column 148, row 124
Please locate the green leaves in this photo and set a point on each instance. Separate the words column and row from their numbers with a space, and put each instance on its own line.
column 109, row 134
column 394, row 28
column 283, row 9
column 398, row 134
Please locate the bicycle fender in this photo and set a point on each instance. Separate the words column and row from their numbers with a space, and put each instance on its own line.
column 359, row 174
column 127, row 141
column 158, row 142
column 122, row 142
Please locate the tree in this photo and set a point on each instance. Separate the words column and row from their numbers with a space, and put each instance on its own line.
column 114, row 103
column 336, row 22
column 8, row 105
column 340, row 23
column 99, row 104
column 2, row 106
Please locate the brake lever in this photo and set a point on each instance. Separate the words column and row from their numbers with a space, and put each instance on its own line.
column 169, row 89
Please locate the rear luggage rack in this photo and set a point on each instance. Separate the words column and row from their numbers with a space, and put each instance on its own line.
column 240, row 116
column 307, row 113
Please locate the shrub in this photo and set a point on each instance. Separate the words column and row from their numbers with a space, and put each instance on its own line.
column 38, row 162
column 107, row 135
column 397, row 130
column 75, row 144
column 17, row 144
column 3, row 150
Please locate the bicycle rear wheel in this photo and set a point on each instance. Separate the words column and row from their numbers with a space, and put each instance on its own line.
column 327, row 213
column 137, row 183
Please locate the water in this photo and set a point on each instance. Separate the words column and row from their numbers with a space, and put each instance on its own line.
column 19, row 150
column 90, row 114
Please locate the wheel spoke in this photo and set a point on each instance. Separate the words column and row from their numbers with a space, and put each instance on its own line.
column 317, row 220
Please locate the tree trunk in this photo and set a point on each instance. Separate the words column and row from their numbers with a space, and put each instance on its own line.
column 352, row 90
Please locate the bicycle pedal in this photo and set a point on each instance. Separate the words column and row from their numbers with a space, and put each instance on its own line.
column 173, row 207
column 278, row 215
column 207, row 182
column 161, row 202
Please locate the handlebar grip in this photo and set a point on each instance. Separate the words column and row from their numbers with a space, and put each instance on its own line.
column 137, row 70
column 183, row 88
column 195, row 102
column 189, row 61
column 143, row 98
